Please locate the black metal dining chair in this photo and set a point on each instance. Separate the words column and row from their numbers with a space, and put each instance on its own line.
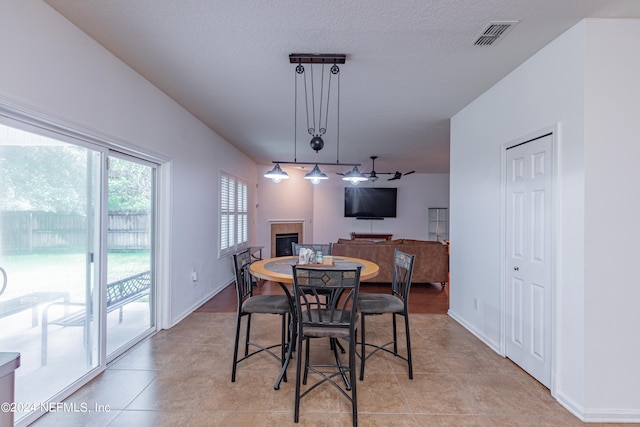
column 325, row 248
column 249, row 304
column 335, row 319
column 396, row 303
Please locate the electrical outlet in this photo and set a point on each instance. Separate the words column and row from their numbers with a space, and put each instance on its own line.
column 194, row 275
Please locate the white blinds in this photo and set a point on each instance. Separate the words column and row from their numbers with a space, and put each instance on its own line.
column 233, row 213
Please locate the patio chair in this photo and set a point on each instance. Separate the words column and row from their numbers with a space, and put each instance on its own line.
column 119, row 294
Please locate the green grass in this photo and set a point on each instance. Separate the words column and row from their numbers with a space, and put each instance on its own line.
column 65, row 272
column 125, row 264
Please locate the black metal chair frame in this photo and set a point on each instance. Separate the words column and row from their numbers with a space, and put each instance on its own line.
column 326, row 249
column 397, row 304
column 319, row 317
column 249, row 304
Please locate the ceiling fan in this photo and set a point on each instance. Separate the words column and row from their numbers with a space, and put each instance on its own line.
column 373, row 175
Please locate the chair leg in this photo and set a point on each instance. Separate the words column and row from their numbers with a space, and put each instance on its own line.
column 352, row 376
column 235, row 348
column 409, row 362
column 337, row 343
column 395, row 335
column 363, row 355
column 347, row 382
column 246, row 341
column 283, row 344
column 296, row 411
column 306, row 361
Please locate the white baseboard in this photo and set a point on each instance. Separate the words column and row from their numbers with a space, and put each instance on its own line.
column 612, row 416
column 197, row 304
column 493, row 345
column 594, row 415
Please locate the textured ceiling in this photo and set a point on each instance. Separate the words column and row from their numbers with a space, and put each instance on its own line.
column 411, row 64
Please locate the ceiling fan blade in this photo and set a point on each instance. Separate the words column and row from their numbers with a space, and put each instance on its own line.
column 396, row 175
column 339, row 173
column 409, row 173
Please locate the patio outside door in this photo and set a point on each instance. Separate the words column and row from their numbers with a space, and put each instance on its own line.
column 130, row 296
column 80, row 274
column 50, row 250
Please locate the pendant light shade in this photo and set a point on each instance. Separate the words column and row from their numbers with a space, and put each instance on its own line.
column 276, row 174
column 316, row 175
column 354, row 176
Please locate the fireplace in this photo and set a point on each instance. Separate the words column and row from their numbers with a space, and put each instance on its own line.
column 283, row 243
column 278, row 228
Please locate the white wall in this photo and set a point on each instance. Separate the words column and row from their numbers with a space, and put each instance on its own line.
column 289, row 200
column 416, row 193
column 548, row 89
column 56, row 71
column 612, row 210
column 322, row 206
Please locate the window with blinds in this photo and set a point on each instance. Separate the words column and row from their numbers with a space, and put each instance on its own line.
column 233, row 214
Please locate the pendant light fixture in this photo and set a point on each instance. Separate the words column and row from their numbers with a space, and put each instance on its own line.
column 317, row 114
column 354, row 176
column 316, row 175
column 276, row 174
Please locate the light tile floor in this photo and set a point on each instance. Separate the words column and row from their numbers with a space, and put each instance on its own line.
column 181, row 377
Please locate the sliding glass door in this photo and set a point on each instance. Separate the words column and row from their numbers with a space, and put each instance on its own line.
column 130, row 236
column 50, row 250
column 77, row 236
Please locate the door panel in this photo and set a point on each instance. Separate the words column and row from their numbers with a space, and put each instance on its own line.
column 529, row 269
column 50, row 249
column 517, row 333
column 517, row 230
column 130, row 258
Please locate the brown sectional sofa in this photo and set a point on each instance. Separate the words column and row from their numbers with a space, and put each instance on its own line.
column 431, row 263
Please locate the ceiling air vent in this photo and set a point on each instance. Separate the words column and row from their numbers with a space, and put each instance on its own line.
column 493, row 32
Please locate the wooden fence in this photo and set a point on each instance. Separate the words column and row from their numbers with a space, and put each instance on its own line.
column 32, row 231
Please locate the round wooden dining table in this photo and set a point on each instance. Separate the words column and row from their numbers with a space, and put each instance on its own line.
column 280, row 269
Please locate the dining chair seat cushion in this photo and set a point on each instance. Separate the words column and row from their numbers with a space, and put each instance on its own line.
column 379, row 303
column 277, row 304
column 325, row 330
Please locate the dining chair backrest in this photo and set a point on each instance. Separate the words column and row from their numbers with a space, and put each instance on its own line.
column 325, row 248
column 241, row 262
column 402, row 272
column 311, row 285
column 326, row 307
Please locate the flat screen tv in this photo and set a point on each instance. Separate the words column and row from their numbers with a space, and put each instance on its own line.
column 370, row 203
